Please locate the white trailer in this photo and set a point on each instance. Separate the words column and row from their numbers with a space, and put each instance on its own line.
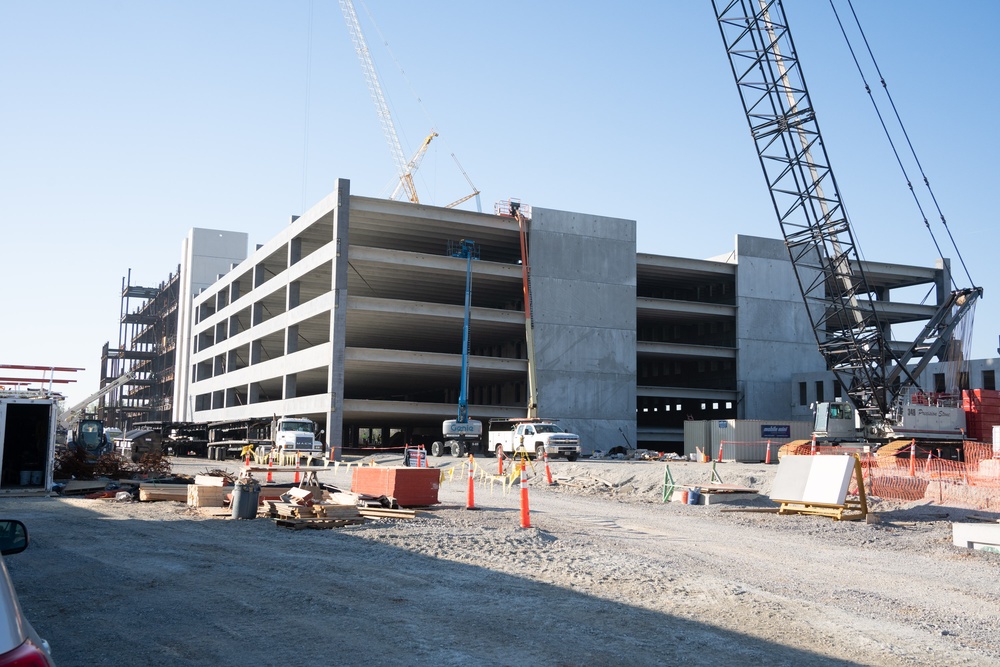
column 27, row 441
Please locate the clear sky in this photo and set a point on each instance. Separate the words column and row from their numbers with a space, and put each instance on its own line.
column 125, row 123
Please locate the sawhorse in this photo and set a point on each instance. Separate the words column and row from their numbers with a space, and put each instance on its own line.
column 669, row 485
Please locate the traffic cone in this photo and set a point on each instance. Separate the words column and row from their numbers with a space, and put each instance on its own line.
column 296, row 470
column 812, row 448
column 270, row 465
column 548, row 473
column 500, row 462
column 913, row 458
column 525, row 517
column 471, row 500
column 927, row 468
column 720, row 452
column 767, row 457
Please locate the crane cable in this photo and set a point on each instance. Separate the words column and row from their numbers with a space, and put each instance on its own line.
column 420, row 102
column 307, row 105
column 892, row 144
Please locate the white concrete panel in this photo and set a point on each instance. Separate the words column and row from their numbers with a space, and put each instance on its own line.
column 583, row 224
column 813, row 479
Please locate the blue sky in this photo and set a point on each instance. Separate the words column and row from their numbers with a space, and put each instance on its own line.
column 124, row 124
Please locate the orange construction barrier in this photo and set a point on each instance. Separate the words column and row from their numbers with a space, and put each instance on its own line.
column 525, row 517
column 548, row 473
column 470, row 503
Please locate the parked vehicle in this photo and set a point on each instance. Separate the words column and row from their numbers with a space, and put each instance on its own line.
column 532, row 436
column 292, row 435
column 20, row 645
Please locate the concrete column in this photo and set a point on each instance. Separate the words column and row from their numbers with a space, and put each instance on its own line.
column 292, row 298
column 294, row 251
column 253, row 393
column 290, row 385
column 292, row 339
column 338, row 319
column 255, row 351
column 256, row 314
column 258, row 276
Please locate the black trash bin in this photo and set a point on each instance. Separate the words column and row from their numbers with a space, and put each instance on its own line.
column 246, row 498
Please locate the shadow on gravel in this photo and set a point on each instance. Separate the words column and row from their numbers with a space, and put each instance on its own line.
column 128, row 588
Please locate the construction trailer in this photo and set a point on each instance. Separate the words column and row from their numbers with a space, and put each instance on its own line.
column 743, row 440
column 27, row 441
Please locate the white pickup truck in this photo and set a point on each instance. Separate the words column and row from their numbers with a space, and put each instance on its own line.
column 532, row 436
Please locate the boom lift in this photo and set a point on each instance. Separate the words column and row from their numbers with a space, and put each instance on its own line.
column 839, row 301
column 462, row 435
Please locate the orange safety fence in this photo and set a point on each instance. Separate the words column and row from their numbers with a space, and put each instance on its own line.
column 973, row 483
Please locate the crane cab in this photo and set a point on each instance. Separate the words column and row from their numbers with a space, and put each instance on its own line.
column 836, row 420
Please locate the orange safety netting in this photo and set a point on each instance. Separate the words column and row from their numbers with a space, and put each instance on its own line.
column 973, row 483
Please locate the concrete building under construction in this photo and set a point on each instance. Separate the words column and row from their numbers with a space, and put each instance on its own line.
column 352, row 315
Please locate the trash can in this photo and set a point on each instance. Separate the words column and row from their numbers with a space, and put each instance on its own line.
column 246, row 498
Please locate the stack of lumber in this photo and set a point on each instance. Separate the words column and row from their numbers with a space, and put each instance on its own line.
column 317, row 511
column 163, row 491
column 210, row 495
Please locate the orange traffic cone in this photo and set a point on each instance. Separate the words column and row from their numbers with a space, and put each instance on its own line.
column 548, row 473
column 767, row 457
column 913, row 458
column 471, row 500
column 500, row 462
column 525, row 517
column 270, row 465
column 296, row 470
column 720, row 452
column 812, row 448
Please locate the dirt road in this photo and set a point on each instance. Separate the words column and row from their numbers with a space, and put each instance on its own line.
column 606, row 575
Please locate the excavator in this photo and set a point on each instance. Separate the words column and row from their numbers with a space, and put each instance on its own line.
column 885, row 407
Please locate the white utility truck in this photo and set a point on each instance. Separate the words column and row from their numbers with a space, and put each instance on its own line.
column 532, row 436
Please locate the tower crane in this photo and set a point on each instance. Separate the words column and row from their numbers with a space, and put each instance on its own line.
column 404, row 168
column 839, row 300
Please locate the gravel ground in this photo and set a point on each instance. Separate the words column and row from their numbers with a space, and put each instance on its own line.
column 606, row 575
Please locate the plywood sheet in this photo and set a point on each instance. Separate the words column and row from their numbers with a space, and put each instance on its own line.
column 813, row 479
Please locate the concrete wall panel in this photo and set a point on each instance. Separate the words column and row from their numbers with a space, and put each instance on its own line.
column 584, row 309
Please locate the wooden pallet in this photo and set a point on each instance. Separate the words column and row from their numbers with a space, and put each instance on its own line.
column 317, row 523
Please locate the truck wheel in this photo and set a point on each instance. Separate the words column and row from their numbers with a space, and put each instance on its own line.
column 456, row 449
column 437, row 449
column 539, row 452
column 572, row 457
